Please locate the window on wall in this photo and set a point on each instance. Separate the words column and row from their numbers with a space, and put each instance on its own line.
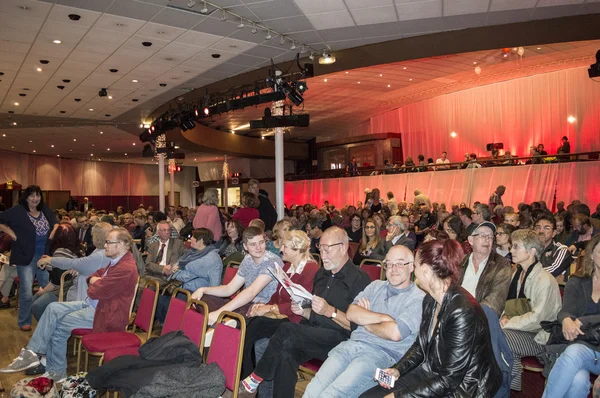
column 233, row 196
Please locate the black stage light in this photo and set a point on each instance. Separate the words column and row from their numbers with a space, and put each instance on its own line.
column 300, row 86
column 594, row 70
column 148, row 152
column 147, row 136
column 102, row 93
column 292, row 94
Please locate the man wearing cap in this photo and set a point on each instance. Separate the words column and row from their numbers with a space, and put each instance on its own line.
column 486, row 274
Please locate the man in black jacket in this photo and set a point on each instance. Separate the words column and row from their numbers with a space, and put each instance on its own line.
column 265, row 209
column 323, row 326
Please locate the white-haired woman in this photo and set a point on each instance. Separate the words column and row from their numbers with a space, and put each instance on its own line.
column 266, row 318
column 207, row 215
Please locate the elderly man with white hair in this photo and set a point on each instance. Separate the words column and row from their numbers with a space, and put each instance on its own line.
column 388, row 315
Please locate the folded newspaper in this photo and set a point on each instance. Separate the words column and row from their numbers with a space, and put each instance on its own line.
column 3, row 259
column 297, row 292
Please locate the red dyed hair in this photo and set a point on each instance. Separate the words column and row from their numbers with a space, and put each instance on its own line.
column 443, row 257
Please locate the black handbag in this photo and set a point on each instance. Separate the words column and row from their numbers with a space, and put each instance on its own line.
column 591, row 333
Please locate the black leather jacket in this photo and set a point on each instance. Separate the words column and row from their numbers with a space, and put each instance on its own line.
column 458, row 360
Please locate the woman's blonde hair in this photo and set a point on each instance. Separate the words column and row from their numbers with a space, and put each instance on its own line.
column 588, row 266
column 100, row 231
column 278, row 227
column 298, row 240
column 365, row 241
column 529, row 239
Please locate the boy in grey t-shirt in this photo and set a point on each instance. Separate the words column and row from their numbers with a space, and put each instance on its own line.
column 388, row 315
column 258, row 283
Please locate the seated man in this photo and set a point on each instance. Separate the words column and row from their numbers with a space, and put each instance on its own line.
column 324, row 325
column 389, row 315
column 486, row 274
column 106, row 309
column 162, row 254
column 398, row 234
column 555, row 258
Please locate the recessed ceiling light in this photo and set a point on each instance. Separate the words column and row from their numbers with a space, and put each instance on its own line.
column 325, row 80
column 135, row 100
column 262, row 138
column 14, row 123
column 453, row 134
column 56, row 41
column 91, row 109
column 77, row 99
column 404, row 68
column 93, row 144
column 70, row 150
column 108, row 149
column 63, row 112
column 113, row 70
column 168, row 59
column 12, row 147
column 539, row 48
column 74, row 17
column 216, row 55
column 381, row 75
column 11, row 111
column 410, row 80
column 101, row 132
column 110, row 97
column 389, row 85
column 24, row 8
column 358, row 83
column 134, row 144
column 22, row 95
column 571, row 119
column 16, row 104
column 44, row 61
column 125, row 154
column 38, row 69
column 52, row 146
column 74, row 139
column 107, row 115
column 134, row 81
column 3, row 135
column 195, row 160
column 34, row 150
column 120, row 25
column 57, row 156
column 91, row 154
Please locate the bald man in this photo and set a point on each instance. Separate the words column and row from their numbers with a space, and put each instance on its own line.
column 325, row 324
column 388, row 315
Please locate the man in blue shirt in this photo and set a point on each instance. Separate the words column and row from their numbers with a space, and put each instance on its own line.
column 388, row 315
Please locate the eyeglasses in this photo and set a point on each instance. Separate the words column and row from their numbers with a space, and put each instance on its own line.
column 485, row 237
column 501, row 233
column 370, row 227
column 389, row 265
column 543, row 227
column 476, row 212
column 111, row 242
column 326, row 248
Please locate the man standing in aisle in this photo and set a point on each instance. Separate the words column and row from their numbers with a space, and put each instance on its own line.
column 266, row 210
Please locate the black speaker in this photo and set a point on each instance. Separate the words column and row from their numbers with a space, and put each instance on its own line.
column 148, row 152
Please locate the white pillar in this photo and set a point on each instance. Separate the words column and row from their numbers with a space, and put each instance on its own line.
column 225, row 181
column 161, row 182
column 279, row 205
column 172, row 192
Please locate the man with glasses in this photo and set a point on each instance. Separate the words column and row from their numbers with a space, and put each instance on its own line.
column 555, row 258
column 388, row 315
column 314, row 231
column 324, row 326
column 486, row 274
column 481, row 213
column 398, row 234
column 106, row 309
column 85, row 234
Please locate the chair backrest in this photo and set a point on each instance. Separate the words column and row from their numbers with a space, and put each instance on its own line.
column 137, row 285
column 317, row 258
column 195, row 322
column 144, row 318
column 352, row 249
column 234, row 264
column 227, row 348
column 374, row 268
column 176, row 310
column 61, row 289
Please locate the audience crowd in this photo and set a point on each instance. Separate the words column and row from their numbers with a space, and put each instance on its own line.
column 462, row 296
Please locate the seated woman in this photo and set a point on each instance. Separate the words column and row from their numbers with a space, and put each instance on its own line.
column 453, row 354
column 456, row 231
column 355, row 231
column 503, row 240
column 570, row 376
column 248, row 209
column 200, row 266
column 435, row 234
column 65, row 244
column 380, row 221
column 280, row 229
column 266, row 318
column 252, row 274
column 232, row 242
column 371, row 245
column 530, row 281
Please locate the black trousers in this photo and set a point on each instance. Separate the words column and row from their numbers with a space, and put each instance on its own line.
column 257, row 328
column 292, row 345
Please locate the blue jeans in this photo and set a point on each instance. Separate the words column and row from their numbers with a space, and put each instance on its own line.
column 570, row 376
column 39, row 303
column 54, row 329
column 348, row 371
column 26, row 275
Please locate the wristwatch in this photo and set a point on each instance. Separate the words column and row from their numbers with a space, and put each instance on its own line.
column 334, row 315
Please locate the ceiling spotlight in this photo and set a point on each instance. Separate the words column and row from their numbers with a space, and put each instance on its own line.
column 204, row 9
column 241, row 24
column 91, row 109
column 134, row 81
column 56, row 41
column 16, row 104
column 191, row 3
column 571, row 119
column 224, row 16
column 293, row 47
column 326, row 59
column 232, row 132
column 262, row 137
column 39, row 69
column 453, row 134
column 311, row 57
column 206, row 111
column 102, row 132
column 52, row 146
column 303, row 49
column 14, row 123
column 102, row 93
column 110, row 97
column 254, row 29
column 268, row 36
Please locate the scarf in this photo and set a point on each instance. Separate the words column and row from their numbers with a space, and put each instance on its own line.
column 193, row 255
column 512, row 291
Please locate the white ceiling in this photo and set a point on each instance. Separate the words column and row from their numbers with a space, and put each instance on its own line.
column 110, row 35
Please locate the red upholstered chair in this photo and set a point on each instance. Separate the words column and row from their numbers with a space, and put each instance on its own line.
column 311, row 367
column 195, row 322
column 374, row 268
column 177, row 308
column 532, row 364
column 77, row 334
column 352, row 248
column 96, row 344
column 230, row 273
column 227, row 349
